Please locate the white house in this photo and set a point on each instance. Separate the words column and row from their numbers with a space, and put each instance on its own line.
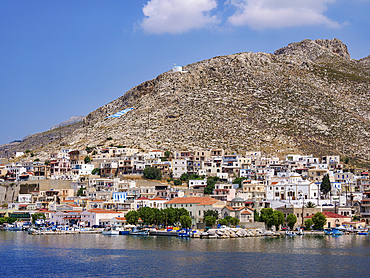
column 197, row 183
column 292, row 189
column 98, row 216
column 178, row 168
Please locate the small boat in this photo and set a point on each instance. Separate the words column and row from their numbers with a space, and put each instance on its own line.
column 363, row 233
column 138, row 232
column 110, row 231
column 184, row 233
column 333, row 232
column 14, row 227
column 290, row 233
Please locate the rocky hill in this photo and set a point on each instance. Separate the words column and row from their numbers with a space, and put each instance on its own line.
column 71, row 120
column 307, row 97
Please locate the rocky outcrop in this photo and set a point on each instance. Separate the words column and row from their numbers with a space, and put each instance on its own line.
column 335, row 46
column 71, row 120
column 308, row 49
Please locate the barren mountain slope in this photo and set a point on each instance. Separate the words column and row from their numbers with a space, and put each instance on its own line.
column 309, row 97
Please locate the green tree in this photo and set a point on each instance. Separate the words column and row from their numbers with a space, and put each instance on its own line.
column 279, row 218
column 319, row 221
column 180, row 212
column 210, row 221
column 32, row 154
column 211, row 181
column 184, row 177
column 227, row 218
column 80, row 191
column 256, row 215
column 291, row 219
column 223, row 221
column 239, row 181
column 185, row 221
column 152, row 173
column 95, row 171
column 310, row 205
column 37, row 216
column 325, row 186
column 9, row 220
column 132, row 217
column 210, row 212
column 167, row 154
column 308, row 223
column 28, row 151
column 170, row 216
column 177, row 182
column 47, row 162
column 234, row 221
column 147, row 215
column 37, row 159
column 159, row 217
column 266, row 215
column 87, row 159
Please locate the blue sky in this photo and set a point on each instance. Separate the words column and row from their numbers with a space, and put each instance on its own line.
column 67, row 58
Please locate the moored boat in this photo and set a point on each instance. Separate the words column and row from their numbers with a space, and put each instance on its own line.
column 138, row 232
column 110, row 231
column 333, row 232
column 290, row 233
column 184, row 233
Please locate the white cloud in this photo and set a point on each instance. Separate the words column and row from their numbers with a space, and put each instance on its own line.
column 177, row 16
column 262, row 14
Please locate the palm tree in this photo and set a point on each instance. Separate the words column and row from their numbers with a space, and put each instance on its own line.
column 310, row 205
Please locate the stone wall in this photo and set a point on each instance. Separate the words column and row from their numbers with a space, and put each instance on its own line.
column 8, row 193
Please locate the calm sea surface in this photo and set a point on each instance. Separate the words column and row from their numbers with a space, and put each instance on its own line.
column 23, row 255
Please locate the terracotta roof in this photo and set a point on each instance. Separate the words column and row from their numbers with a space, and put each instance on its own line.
column 240, row 208
column 229, row 208
column 158, row 199
column 98, row 201
column 246, row 212
column 274, row 182
column 329, row 214
column 192, row 200
column 143, row 198
column 365, row 200
column 120, row 218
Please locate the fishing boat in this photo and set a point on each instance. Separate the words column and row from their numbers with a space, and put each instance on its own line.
column 184, row 233
column 290, row 233
column 363, row 232
column 14, row 227
column 138, row 232
column 126, row 229
column 333, row 232
column 110, row 231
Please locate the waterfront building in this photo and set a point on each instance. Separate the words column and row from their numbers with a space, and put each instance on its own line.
column 196, row 206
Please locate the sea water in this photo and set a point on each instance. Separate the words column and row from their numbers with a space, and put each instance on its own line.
column 96, row 255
